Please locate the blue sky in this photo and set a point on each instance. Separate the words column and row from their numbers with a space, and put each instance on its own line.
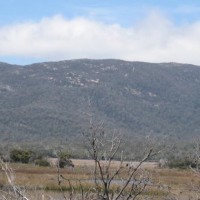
column 76, row 24
column 120, row 11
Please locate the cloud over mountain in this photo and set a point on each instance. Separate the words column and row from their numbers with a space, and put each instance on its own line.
column 154, row 39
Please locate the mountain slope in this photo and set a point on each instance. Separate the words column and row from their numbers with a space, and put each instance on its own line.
column 56, row 99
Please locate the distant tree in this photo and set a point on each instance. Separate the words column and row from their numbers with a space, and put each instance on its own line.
column 111, row 181
column 64, row 159
column 134, row 179
column 22, row 156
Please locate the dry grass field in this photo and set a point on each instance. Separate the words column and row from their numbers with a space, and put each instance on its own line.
column 164, row 181
column 89, row 163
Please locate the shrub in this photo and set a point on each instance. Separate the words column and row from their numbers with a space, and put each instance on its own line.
column 42, row 163
column 23, row 156
column 181, row 163
column 64, row 157
column 62, row 163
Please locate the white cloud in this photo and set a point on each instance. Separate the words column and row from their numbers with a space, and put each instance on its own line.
column 155, row 39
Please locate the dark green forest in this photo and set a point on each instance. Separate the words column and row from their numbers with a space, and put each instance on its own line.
column 52, row 103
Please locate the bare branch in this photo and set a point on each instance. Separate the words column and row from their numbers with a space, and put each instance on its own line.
column 131, row 175
column 10, row 177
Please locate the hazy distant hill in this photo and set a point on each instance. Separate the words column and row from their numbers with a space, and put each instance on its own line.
column 56, row 99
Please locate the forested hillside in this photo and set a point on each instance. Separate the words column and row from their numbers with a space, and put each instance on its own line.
column 55, row 100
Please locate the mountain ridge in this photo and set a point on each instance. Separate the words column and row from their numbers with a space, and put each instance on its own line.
column 55, row 99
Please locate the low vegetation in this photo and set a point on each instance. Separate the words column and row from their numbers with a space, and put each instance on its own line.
column 36, row 181
column 107, row 175
column 42, row 162
column 29, row 176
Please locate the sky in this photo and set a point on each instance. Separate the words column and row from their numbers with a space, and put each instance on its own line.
column 147, row 30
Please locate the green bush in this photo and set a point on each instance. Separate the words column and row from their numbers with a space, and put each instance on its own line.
column 62, row 163
column 42, row 163
column 64, row 157
column 181, row 163
column 22, row 156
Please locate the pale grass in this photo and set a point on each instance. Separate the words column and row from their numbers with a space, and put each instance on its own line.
column 115, row 163
column 40, row 178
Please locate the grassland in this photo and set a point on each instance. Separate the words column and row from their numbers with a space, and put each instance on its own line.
column 164, row 181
